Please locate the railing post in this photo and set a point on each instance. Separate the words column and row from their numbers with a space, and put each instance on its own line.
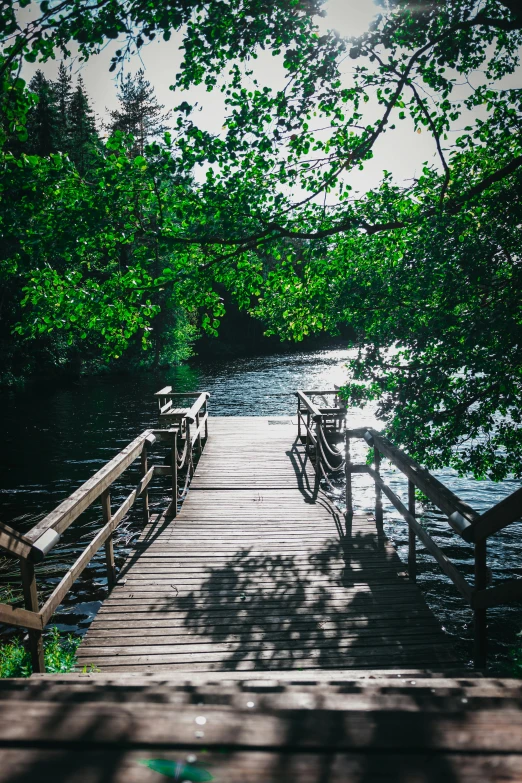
column 480, row 615
column 206, row 419
column 378, row 491
column 144, row 469
column 31, row 602
column 412, row 550
column 109, row 544
column 318, row 451
column 199, row 447
column 174, row 504
column 348, row 475
column 307, row 441
column 189, row 459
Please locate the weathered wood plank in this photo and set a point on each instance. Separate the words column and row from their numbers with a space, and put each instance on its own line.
column 257, row 571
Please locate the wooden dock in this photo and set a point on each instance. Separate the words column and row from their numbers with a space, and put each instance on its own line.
column 258, row 572
column 259, row 636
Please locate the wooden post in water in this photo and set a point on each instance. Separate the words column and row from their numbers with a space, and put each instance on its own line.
column 348, row 475
column 109, row 544
column 31, row 603
column 144, row 469
column 378, row 491
column 480, row 615
column 412, row 550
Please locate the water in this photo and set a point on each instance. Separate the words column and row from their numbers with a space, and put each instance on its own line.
column 56, row 437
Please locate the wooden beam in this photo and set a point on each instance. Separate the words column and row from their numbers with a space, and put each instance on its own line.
column 61, row 590
column 313, row 391
column 164, row 408
column 503, row 593
column 22, row 618
column 309, row 405
column 14, row 542
column 71, row 508
column 443, row 497
column 499, row 517
column 196, row 407
column 31, row 604
column 447, row 566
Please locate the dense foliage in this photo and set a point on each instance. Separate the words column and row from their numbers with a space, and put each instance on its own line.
column 426, row 272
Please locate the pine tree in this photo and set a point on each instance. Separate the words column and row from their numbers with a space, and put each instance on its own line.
column 83, row 139
column 63, row 91
column 43, row 120
column 140, row 113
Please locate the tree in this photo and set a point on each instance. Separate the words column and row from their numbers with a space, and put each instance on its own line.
column 82, row 139
column 43, row 125
column 63, row 91
column 139, row 114
column 277, row 220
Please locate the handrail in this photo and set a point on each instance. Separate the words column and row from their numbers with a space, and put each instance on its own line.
column 14, row 542
column 461, row 515
column 465, row 521
column 322, row 393
column 316, row 437
column 167, row 392
column 71, row 508
column 498, row 517
column 196, row 407
column 309, row 405
column 33, row 546
column 319, row 423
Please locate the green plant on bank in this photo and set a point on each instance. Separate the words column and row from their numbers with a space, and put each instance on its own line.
column 59, row 653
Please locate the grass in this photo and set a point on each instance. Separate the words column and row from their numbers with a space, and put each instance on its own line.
column 59, row 654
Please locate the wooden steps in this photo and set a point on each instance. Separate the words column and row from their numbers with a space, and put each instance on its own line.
column 329, row 727
column 257, row 572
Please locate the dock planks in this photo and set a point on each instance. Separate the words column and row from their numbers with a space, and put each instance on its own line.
column 258, row 572
column 361, row 727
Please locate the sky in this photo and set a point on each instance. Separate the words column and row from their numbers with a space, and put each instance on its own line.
column 403, row 152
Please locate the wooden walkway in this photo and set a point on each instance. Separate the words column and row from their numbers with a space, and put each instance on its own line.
column 257, row 572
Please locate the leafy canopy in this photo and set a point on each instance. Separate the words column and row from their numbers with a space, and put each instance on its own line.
column 426, row 272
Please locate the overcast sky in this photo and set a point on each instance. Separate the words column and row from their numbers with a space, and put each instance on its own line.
column 402, row 151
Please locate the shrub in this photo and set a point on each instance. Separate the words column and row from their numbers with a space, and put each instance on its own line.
column 59, row 655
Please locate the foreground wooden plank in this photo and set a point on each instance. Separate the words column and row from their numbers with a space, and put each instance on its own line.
column 362, row 727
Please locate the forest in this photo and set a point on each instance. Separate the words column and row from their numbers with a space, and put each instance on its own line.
column 120, row 246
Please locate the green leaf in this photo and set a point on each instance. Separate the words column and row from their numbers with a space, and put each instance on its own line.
column 178, row 770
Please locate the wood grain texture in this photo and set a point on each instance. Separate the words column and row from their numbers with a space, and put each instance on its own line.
column 359, row 726
column 258, row 572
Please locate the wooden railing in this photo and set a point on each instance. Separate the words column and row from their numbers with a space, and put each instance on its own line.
column 32, row 547
column 323, row 428
column 472, row 527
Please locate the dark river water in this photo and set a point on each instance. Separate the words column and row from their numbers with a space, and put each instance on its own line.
column 56, row 437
